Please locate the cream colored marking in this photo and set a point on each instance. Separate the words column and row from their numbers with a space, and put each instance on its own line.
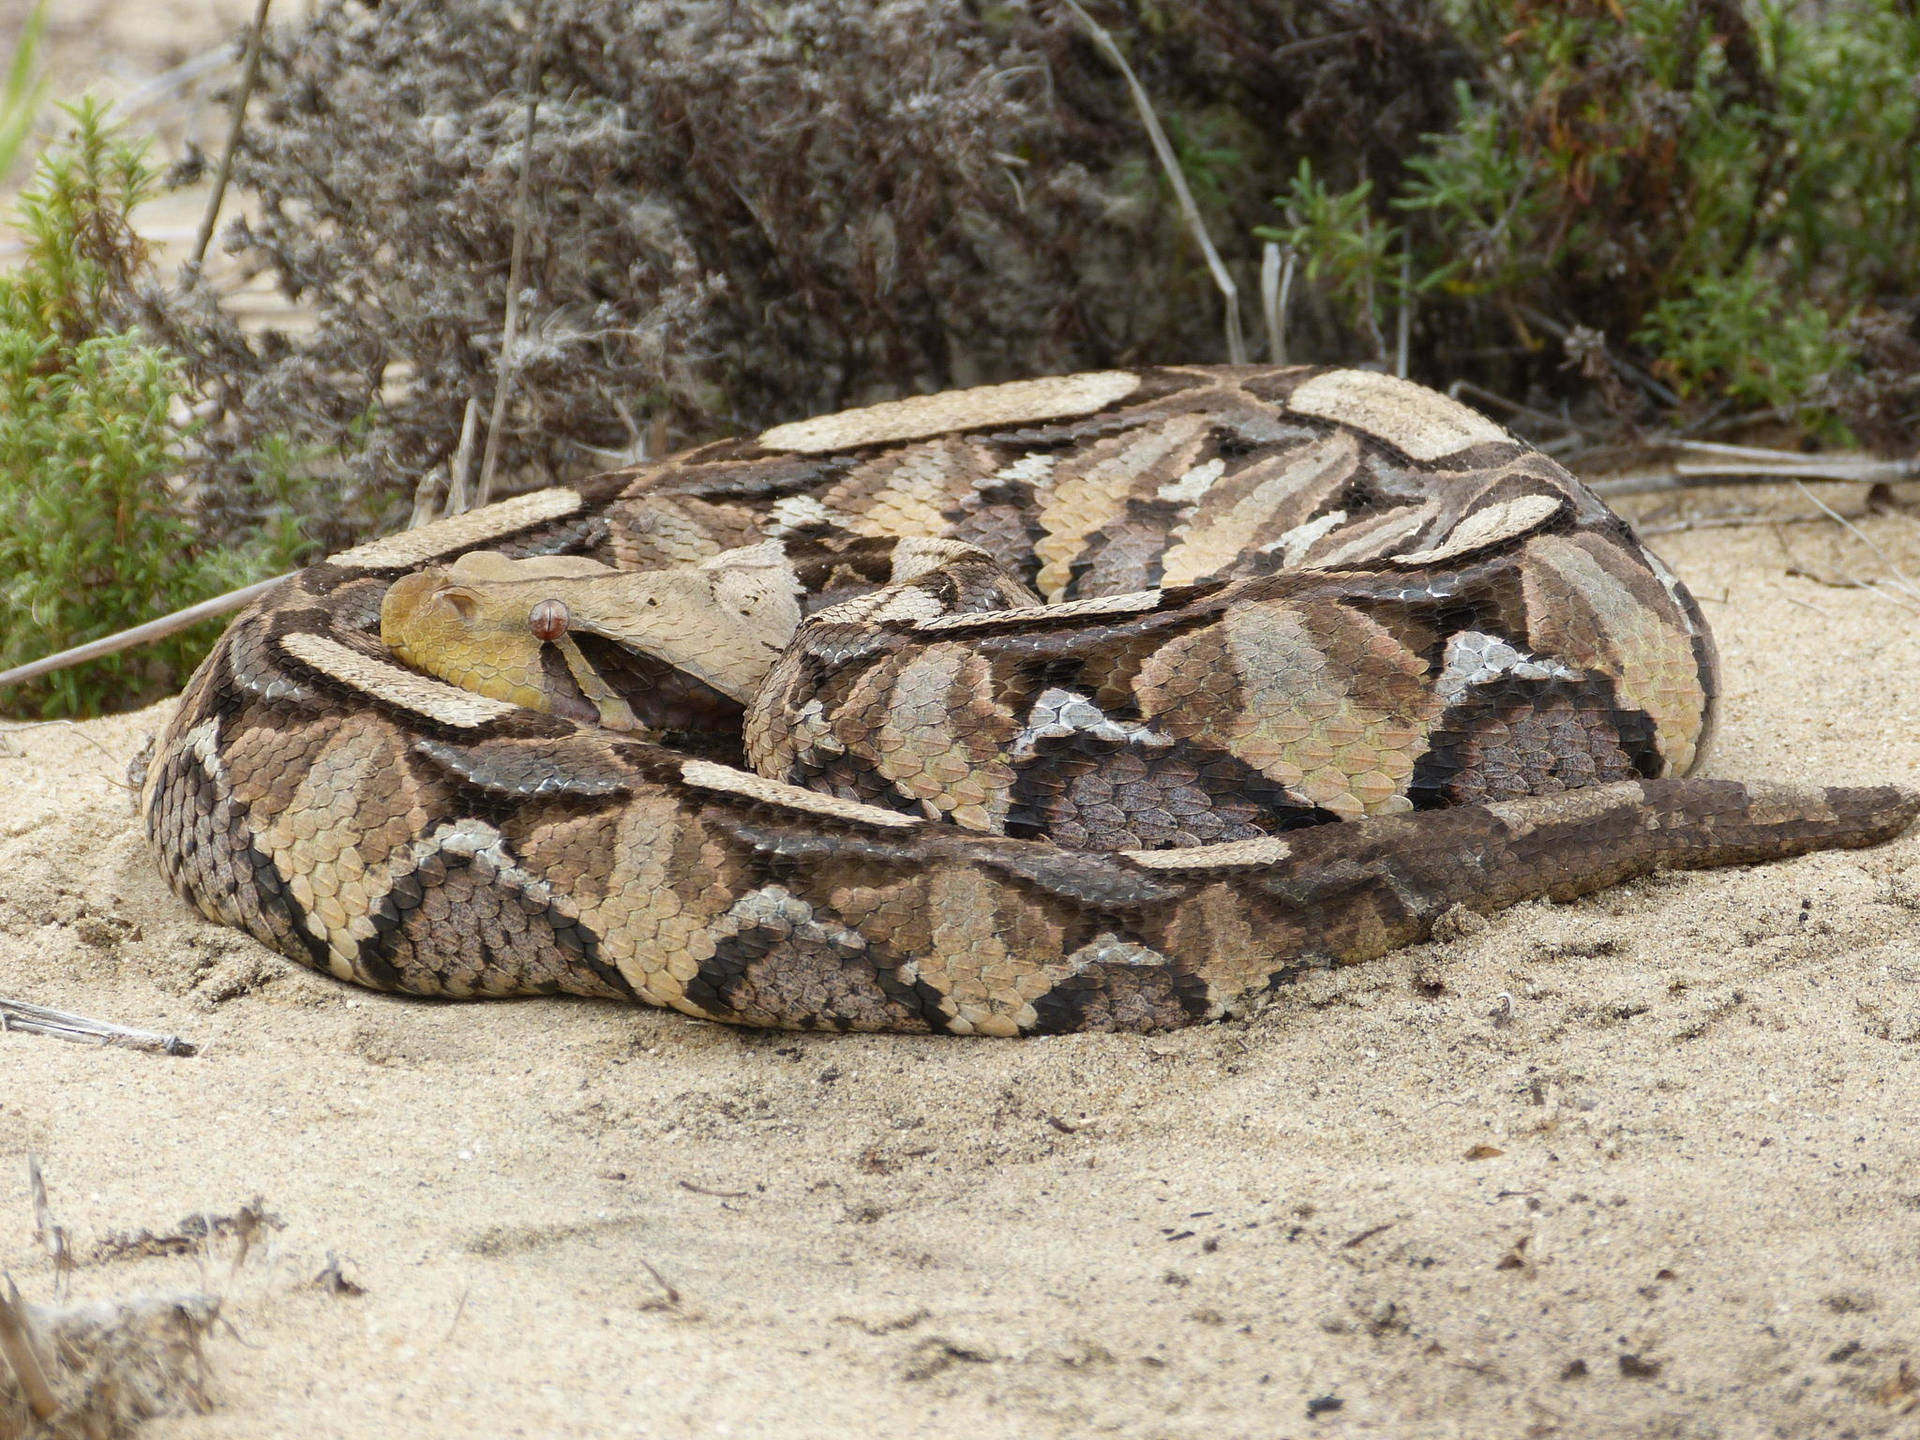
column 1107, row 948
column 1422, row 423
column 1057, row 397
column 909, row 602
column 1769, row 804
column 203, row 743
column 1280, row 484
column 1188, row 489
column 1366, row 539
column 483, row 567
column 706, row 775
column 757, row 585
column 1058, row 713
column 475, row 839
column 1035, row 468
column 917, row 554
column 882, row 604
column 1474, row 657
column 434, row 699
column 458, row 532
column 797, row 512
column 1266, row 850
column 1133, row 603
column 1508, row 520
column 1094, row 488
column 1590, row 802
column 1652, row 659
column 1293, row 545
column 1669, row 582
column 615, row 713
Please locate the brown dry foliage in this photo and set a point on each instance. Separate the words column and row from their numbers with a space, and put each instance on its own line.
column 743, row 214
column 112, row 1364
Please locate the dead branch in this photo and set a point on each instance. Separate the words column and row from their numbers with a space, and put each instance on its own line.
column 1276, row 289
column 1705, row 478
column 52, row 1236
column 1724, row 522
column 1170, row 163
column 1403, row 323
column 671, row 1297
column 140, row 634
column 18, row 1349
column 1788, row 464
column 1902, row 582
column 1513, row 407
column 460, row 475
column 101, row 1367
column 1848, row 582
column 503, row 377
column 236, row 122
column 38, row 1020
column 692, row 1188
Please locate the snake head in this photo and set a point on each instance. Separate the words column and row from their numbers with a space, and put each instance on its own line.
column 468, row 633
column 625, row 650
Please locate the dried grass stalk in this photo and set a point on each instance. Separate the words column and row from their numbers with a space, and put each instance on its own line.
column 99, row 1368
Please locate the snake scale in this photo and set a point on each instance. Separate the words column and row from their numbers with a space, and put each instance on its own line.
column 1107, row 701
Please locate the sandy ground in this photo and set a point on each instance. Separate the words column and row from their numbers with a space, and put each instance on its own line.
column 1670, row 1185
column 1677, row 1193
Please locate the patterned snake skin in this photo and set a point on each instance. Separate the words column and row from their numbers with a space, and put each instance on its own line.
column 1089, row 668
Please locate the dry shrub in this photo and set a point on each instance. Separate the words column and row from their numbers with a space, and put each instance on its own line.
column 743, row 214
column 112, row 1364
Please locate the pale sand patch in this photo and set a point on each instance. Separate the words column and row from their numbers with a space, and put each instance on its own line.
column 1702, row 1107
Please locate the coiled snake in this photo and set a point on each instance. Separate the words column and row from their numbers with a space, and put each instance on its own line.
column 1115, row 700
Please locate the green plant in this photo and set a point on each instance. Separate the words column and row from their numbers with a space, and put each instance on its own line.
column 1737, row 336
column 22, row 89
column 1719, row 186
column 1345, row 243
column 94, row 536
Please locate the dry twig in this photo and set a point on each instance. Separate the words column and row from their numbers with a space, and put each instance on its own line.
column 1901, row 582
column 38, row 1020
column 1276, row 285
column 52, row 1236
column 1723, row 522
column 1514, row 407
column 460, row 474
column 1170, row 163
column 236, row 121
column 18, row 1349
column 140, row 634
column 1403, row 324
column 670, row 1292
column 688, row 1185
column 1734, row 465
column 516, row 264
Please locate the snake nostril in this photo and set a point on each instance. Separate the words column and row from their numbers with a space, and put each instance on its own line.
column 548, row 619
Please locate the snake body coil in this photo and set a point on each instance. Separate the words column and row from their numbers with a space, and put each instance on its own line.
column 1119, row 699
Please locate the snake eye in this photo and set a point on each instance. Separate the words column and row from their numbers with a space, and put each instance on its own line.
column 548, row 619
